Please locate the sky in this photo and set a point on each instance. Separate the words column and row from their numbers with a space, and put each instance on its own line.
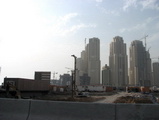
column 41, row 35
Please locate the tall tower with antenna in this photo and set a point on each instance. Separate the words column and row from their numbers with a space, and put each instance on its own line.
column 140, row 64
column 85, row 42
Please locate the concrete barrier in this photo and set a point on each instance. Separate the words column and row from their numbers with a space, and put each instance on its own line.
column 45, row 110
column 137, row 112
column 12, row 109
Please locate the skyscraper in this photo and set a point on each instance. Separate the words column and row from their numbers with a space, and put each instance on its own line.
column 106, row 79
column 118, row 62
column 140, row 65
column 89, row 62
column 81, row 68
column 156, row 73
column 94, row 60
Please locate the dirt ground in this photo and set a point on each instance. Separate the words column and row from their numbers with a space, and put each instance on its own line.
column 118, row 97
column 69, row 98
column 94, row 97
column 112, row 98
column 124, row 97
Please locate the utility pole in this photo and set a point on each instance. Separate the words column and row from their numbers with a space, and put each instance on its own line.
column 74, row 77
column 72, row 84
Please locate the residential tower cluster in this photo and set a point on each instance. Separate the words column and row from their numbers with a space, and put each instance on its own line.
column 137, row 70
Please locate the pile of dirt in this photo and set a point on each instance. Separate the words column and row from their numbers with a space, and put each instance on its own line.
column 85, row 99
column 68, row 98
column 131, row 99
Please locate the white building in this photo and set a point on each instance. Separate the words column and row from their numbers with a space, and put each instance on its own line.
column 118, row 62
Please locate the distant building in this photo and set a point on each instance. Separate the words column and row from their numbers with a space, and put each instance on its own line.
column 92, row 88
column 118, row 62
column 140, row 65
column 94, row 61
column 42, row 75
column 65, row 79
column 54, row 82
column 106, row 76
column 156, row 74
column 81, row 68
column 85, row 79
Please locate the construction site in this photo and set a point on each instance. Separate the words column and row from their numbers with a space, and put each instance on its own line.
column 42, row 90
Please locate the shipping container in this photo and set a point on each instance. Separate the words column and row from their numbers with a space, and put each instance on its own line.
column 22, row 84
column 133, row 89
column 145, row 89
column 109, row 89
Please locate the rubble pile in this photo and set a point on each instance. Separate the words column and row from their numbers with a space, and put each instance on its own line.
column 136, row 98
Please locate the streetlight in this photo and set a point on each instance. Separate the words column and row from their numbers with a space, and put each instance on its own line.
column 74, row 81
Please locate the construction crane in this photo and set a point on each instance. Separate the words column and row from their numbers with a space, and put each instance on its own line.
column 148, row 49
column 69, row 68
column 54, row 73
column 145, row 40
column 73, row 82
column 85, row 42
column 156, row 58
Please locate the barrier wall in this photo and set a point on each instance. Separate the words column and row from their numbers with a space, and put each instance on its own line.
column 11, row 109
column 14, row 109
column 71, row 111
column 137, row 112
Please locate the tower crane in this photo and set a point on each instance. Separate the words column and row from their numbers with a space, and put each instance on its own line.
column 69, row 68
column 156, row 58
column 145, row 40
column 54, row 73
column 73, row 82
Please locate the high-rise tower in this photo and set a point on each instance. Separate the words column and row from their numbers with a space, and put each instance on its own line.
column 118, row 62
column 106, row 79
column 93, row 54
column 140, row 65
column 156, row 73
column 89, row 62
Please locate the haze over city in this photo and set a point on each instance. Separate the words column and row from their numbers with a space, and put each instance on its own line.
column 38, row 35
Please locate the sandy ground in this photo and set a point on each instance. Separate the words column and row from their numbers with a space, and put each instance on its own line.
column 112, row 98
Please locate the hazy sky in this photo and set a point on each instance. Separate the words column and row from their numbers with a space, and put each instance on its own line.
column 41, row 35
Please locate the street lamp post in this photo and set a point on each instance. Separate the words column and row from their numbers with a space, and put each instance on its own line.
column 74, row 80
column 72, row 83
